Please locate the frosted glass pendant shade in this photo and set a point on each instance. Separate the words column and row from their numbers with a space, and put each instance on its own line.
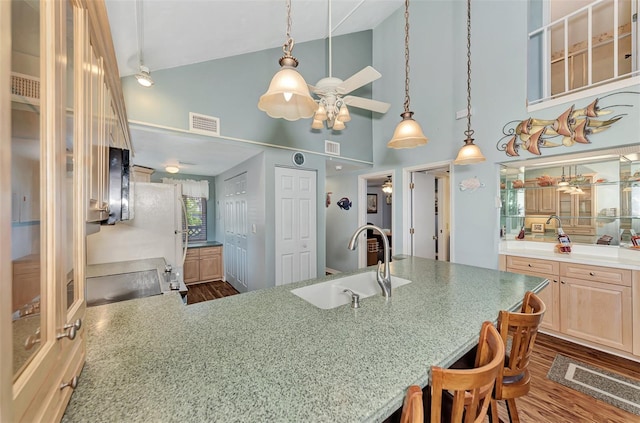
column 343, row 114
column 408, row 133
column 469, row 154
column 338, row 125
column 288, row 96
column 317, row 124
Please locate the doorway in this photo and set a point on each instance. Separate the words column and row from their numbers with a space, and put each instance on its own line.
column 427, row 211
column 376, row 207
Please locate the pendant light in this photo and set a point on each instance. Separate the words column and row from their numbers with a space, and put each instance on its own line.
column 288, row 95
column 469, row 153
column 408, row 133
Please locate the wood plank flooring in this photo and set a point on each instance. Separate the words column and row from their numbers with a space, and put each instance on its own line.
column 209, row 291
column 548, row 401
column 551, row 402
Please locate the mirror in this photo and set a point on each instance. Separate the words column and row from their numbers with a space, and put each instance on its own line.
column 596, row 198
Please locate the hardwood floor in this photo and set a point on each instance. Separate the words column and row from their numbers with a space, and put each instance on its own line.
column 209, row 291
column 548, row 401
column 554, row 403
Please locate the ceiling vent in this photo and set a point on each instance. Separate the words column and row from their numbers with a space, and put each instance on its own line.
column 25, row 88
column 203, row 124
column 332, row 147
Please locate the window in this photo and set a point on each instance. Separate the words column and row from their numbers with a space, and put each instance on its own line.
column 579, row 45
column 196, row 218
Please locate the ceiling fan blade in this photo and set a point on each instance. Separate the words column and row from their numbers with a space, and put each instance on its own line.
column 359, row 79
column 367, row 103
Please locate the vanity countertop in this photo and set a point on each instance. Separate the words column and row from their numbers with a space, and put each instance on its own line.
column 268, row 355
column 597, row 255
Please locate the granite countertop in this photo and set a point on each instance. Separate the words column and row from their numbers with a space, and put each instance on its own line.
column 596, row 255
column 270, row 356
column 204, row 244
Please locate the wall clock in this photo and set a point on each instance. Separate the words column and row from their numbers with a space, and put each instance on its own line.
column 298, row 158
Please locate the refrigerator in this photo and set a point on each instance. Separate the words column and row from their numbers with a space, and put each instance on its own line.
column 156, row 228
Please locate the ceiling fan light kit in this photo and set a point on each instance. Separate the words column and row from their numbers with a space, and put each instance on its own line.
column 408, row 133
column 331, row 91
column 469, row 153
column 288, row 95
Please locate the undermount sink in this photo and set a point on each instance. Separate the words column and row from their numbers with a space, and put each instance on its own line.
column 329, row 294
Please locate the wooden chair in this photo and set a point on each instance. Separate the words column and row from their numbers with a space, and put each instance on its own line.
column 519, row 330
column 412, row 410
column 471, row 389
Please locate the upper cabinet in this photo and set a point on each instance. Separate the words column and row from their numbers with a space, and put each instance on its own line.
column 595, row 196
column 58, row 116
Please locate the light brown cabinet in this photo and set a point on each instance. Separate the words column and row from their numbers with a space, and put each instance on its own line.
column 203, row 264
column 576, row 211
column 539, row 200
column 588, row 303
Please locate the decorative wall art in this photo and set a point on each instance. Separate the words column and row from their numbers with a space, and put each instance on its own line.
column 344, row 203
column 471, row 184
column 571, row 127
column 372, row 203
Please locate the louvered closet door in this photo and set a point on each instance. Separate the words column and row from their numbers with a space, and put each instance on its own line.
column 295, row 249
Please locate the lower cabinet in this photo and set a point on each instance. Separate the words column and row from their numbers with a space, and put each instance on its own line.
column 590, row 303
column 203, row 264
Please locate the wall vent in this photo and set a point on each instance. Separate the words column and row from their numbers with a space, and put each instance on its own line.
column 25, row 88
column 203, row 124
column 332, row 147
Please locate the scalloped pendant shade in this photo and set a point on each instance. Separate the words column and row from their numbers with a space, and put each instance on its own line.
column 288, row 96
column 408, row 133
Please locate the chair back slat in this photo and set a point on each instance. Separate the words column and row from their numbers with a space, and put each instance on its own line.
column 471, row 388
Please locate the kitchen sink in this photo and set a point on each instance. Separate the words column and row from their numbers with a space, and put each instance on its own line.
column 329, row 294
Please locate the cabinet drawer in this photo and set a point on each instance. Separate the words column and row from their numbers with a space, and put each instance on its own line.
column 192, row 253
column 515, row 264
column 596, row 273
column 209, row 251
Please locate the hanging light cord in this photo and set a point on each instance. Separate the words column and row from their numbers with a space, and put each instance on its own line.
column 140, row 31
column 407, row 100
column 469, row 132
column 288, row 45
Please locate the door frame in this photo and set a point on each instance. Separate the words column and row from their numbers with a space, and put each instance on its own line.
column 406, row 203
column 362, row 209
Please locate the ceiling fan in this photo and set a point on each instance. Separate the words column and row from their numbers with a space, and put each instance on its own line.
column 332, row 98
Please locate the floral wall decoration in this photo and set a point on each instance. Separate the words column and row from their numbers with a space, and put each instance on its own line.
column 574, row 126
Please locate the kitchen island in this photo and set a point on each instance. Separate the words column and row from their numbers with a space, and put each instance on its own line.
column 269, row 355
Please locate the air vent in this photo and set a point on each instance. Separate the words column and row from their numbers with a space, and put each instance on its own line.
column 332, row 147
column 25, row 87
column 203, row 124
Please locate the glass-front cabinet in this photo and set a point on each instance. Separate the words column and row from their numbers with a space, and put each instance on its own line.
column 46, row 131
column 595, row 196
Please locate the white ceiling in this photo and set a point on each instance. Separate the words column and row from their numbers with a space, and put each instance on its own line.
column 182, row 32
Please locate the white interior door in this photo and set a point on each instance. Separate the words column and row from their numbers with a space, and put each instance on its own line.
column 236, row 231
column 423, row 215
column 295, row 210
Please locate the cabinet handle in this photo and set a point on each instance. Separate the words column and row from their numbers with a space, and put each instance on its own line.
column 555, row 281
column 529, row 265
column 77, row 324
column 70, row 330
column 591, row 274
column 73, row 383
column 562, row 282
column 32, row 340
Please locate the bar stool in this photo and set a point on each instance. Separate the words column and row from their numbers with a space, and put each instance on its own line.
column 519, row 330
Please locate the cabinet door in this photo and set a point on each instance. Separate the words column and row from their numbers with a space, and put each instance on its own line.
column 530, row 198
column 191, row 270
column 547, row 200
column 597, row 312
column 550, row 295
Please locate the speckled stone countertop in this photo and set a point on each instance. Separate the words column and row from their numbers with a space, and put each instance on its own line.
column 270, row 356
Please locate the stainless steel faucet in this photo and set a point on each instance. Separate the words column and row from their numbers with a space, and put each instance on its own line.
column 383, row 275
column 559, row 226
